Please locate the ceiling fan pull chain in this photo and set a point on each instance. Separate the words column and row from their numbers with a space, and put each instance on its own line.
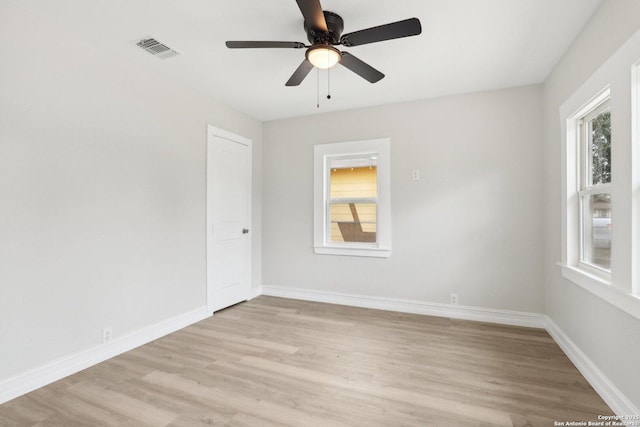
column 317, row 87
column 328, row 77
column 328, row 83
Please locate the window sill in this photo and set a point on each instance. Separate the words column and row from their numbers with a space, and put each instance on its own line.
column 364, row 252
column 603, row 289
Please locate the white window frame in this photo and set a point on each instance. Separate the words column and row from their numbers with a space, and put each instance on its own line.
column 635, row 179
column 575, row 185
column 323, row 153
column 585, row 188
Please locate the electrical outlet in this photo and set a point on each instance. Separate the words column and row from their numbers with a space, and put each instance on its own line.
column 107, row 335
column 454, row 299
column 415, row 175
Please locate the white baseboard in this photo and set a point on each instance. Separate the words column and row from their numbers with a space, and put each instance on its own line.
column 504, row 317
column 612, row 396
column 58, row 369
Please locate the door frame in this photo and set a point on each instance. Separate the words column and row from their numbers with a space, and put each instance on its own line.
column 213, row 132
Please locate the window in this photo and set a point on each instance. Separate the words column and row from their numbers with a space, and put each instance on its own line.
column 587, row 203
column 594, row 194
column 352, row 198
column 635, row 178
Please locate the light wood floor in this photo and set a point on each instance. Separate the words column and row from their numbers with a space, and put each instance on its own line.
column 273, row 361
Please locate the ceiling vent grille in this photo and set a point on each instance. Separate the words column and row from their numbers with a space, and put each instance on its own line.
column 156, row 48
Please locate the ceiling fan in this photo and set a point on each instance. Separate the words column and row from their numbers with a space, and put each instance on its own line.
column 324, row 31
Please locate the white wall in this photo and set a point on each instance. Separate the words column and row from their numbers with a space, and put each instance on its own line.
column 472, row 225
column 609, row 337
column 102, row 194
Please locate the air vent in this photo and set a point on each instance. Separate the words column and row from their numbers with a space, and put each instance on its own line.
column 155, row 48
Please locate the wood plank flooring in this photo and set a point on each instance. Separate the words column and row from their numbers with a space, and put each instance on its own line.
column 274, row 362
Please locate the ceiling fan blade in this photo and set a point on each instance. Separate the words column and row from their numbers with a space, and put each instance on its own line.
column 261, row 44
column 313, row 14
column 301, row 72
column 361, row 68
column 394, row 30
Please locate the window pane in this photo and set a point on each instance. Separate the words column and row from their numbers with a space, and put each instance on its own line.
column 353, row 181
column 600, row 128
column 596, row 233
column 353, row 222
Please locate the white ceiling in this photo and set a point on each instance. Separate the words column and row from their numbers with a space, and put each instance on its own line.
column 465, row 46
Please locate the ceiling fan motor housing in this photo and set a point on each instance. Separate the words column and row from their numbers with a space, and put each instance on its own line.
column 335, row 25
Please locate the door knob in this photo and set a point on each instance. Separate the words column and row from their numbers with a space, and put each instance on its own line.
column 245, row 231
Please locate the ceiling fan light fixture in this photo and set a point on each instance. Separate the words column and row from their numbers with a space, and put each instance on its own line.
column 323, row 56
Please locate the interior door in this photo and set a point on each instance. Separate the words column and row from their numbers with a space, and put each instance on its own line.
column 228, row 219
